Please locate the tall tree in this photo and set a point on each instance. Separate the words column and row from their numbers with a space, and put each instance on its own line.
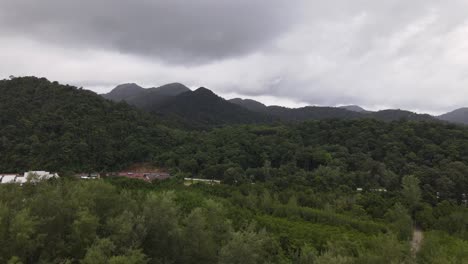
column 411, row 192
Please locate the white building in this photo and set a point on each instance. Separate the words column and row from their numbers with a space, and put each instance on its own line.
column 9, row 178
column 21, row 180
column 30, row 176
column 35, row 176
column 195, row 180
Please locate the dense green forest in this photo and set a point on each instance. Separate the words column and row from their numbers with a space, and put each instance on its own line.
column 45, row 125
column 326, row 191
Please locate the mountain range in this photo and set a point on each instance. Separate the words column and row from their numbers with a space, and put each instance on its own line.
column 198, row 108
column 146, row 98
column 203, row 107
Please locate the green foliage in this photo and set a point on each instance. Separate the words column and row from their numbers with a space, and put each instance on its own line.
column 438, row 248
column 400, row 221
column 298, row 233
column 47, row 126
column 446, row 216
column 247, row 247
column 95, row 222
column 411, row 192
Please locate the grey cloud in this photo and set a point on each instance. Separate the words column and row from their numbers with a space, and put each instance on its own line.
column 176, row 31
column 395, row 53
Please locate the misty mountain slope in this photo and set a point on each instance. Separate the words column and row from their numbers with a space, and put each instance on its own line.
column 320, row 112
column 171, row 89
column 203, row 107
column 354, row 108
column 311, row 113
column 154, row 97
column 249, row 104
column 457, row 116
column 124, row 91
column 146, row 99
column 297, row 114
column 397, row 114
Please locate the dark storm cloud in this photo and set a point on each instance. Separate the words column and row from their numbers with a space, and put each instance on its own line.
column 177, row 31
column 378, row 54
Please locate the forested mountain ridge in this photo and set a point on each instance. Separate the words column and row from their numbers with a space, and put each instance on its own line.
column 398, row 114
column 203, row 108
column 45, row 125
column 214, row 111
column 323, row 112
column 355, row 108
column 124, row 92
column 193, row 109
column 249, row 104
column 146, row 98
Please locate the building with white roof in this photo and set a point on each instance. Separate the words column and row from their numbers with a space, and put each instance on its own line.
column 9, row 178
column 35, row 176
column 30, row 176
column 21, row 180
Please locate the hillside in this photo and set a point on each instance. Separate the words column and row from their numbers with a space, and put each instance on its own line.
column 145, row 98
column 249, row 104
column 48, row 126
column 457, row 116
column 202, row 108
column 354, row 108
column 397, row 114
column 311, row 113
column 297, row 114
column 320, row 112
column 124, row 91
column 177, row 104
column 197, row 109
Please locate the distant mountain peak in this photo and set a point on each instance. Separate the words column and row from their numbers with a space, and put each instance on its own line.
column 354, row 108
column 459, row 115
column 145, row 98
column 125, row 86
column 123, row 91
column 171, row 89
column 204, row 91
column 249, row 104
column 203, row 107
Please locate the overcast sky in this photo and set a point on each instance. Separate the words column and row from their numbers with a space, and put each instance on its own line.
column 377, row 54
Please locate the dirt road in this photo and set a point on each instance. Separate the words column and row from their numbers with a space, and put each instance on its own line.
column 416, row 241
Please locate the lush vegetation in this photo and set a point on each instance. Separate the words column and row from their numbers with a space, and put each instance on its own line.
column 329, row 191
column 45, row 125
column 95, row 222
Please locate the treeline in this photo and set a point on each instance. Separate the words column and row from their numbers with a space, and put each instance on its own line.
column 92, row 222
column 332, row 154
column 66, row 221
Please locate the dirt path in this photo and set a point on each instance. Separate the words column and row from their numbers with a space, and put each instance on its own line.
column 416, row 241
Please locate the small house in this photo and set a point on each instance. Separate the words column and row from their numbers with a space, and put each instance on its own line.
column 35, row 176
column 8, row 178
